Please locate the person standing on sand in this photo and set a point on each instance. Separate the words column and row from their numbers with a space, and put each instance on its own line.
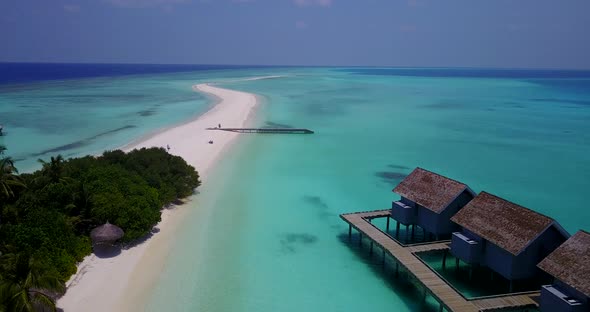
column 219, row 126
column 168, row 147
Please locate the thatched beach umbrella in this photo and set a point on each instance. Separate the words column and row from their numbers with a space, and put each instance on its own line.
column 106, row 233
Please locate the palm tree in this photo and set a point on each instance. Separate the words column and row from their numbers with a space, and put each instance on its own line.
column 8, row 177
column 54, row 168
column 26, row 285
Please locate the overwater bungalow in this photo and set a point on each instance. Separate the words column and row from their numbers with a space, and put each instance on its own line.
column 429, row 200
column 569, row 264
column 507, row 238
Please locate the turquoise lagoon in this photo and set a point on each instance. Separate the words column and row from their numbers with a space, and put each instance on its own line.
column 75, row 117
column 265, row 235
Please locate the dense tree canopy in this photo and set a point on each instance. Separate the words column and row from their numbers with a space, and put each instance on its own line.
column 47, row 215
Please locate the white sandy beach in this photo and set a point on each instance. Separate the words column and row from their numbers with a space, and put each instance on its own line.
column 101, row 284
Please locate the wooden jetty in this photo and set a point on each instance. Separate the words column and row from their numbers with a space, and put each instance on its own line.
column 266, row 130
column 405, row 257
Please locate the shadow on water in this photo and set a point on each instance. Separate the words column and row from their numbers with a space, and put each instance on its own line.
column 481, row 281
column 391, row 177
column 290, row 242
column 80, row 143
column 315, row 201
column 407, row 235
column 147, row 112
column 270, row 124
column 398, row 167
column 407, row 290
column 323, row 210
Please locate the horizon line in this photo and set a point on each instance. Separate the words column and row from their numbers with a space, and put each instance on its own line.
column 312, row 66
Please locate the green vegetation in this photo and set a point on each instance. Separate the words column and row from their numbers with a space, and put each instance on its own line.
column 46, row 216
column 27, row 284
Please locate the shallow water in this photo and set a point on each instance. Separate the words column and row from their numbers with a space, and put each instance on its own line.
column 265, row 234
column 76, row 117
column 274, row 241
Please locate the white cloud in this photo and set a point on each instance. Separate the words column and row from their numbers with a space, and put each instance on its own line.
column 72, row 8
column 323, row 3
column 145, row 3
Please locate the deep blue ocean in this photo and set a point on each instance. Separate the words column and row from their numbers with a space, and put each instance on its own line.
column 11, row 73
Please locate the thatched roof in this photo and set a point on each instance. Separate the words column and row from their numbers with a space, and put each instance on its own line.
column 106, row 233
column 430, row 190
column 505, row 224
column 570, row 262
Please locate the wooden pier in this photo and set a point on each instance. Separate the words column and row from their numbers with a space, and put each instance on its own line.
column 404, row 257
column 266, row 130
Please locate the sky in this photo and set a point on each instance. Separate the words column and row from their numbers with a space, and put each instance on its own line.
column 412, row 33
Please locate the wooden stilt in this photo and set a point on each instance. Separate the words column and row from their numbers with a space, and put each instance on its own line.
column 424, row 235
column 511, row 287
column 387, row 227
column 418, row 273
column 349, row 232
column 413, row 230
column 397, row 230
column 406, row 232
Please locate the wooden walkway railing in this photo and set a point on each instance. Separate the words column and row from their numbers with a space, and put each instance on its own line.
column 446, row 295
column 504, row 302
